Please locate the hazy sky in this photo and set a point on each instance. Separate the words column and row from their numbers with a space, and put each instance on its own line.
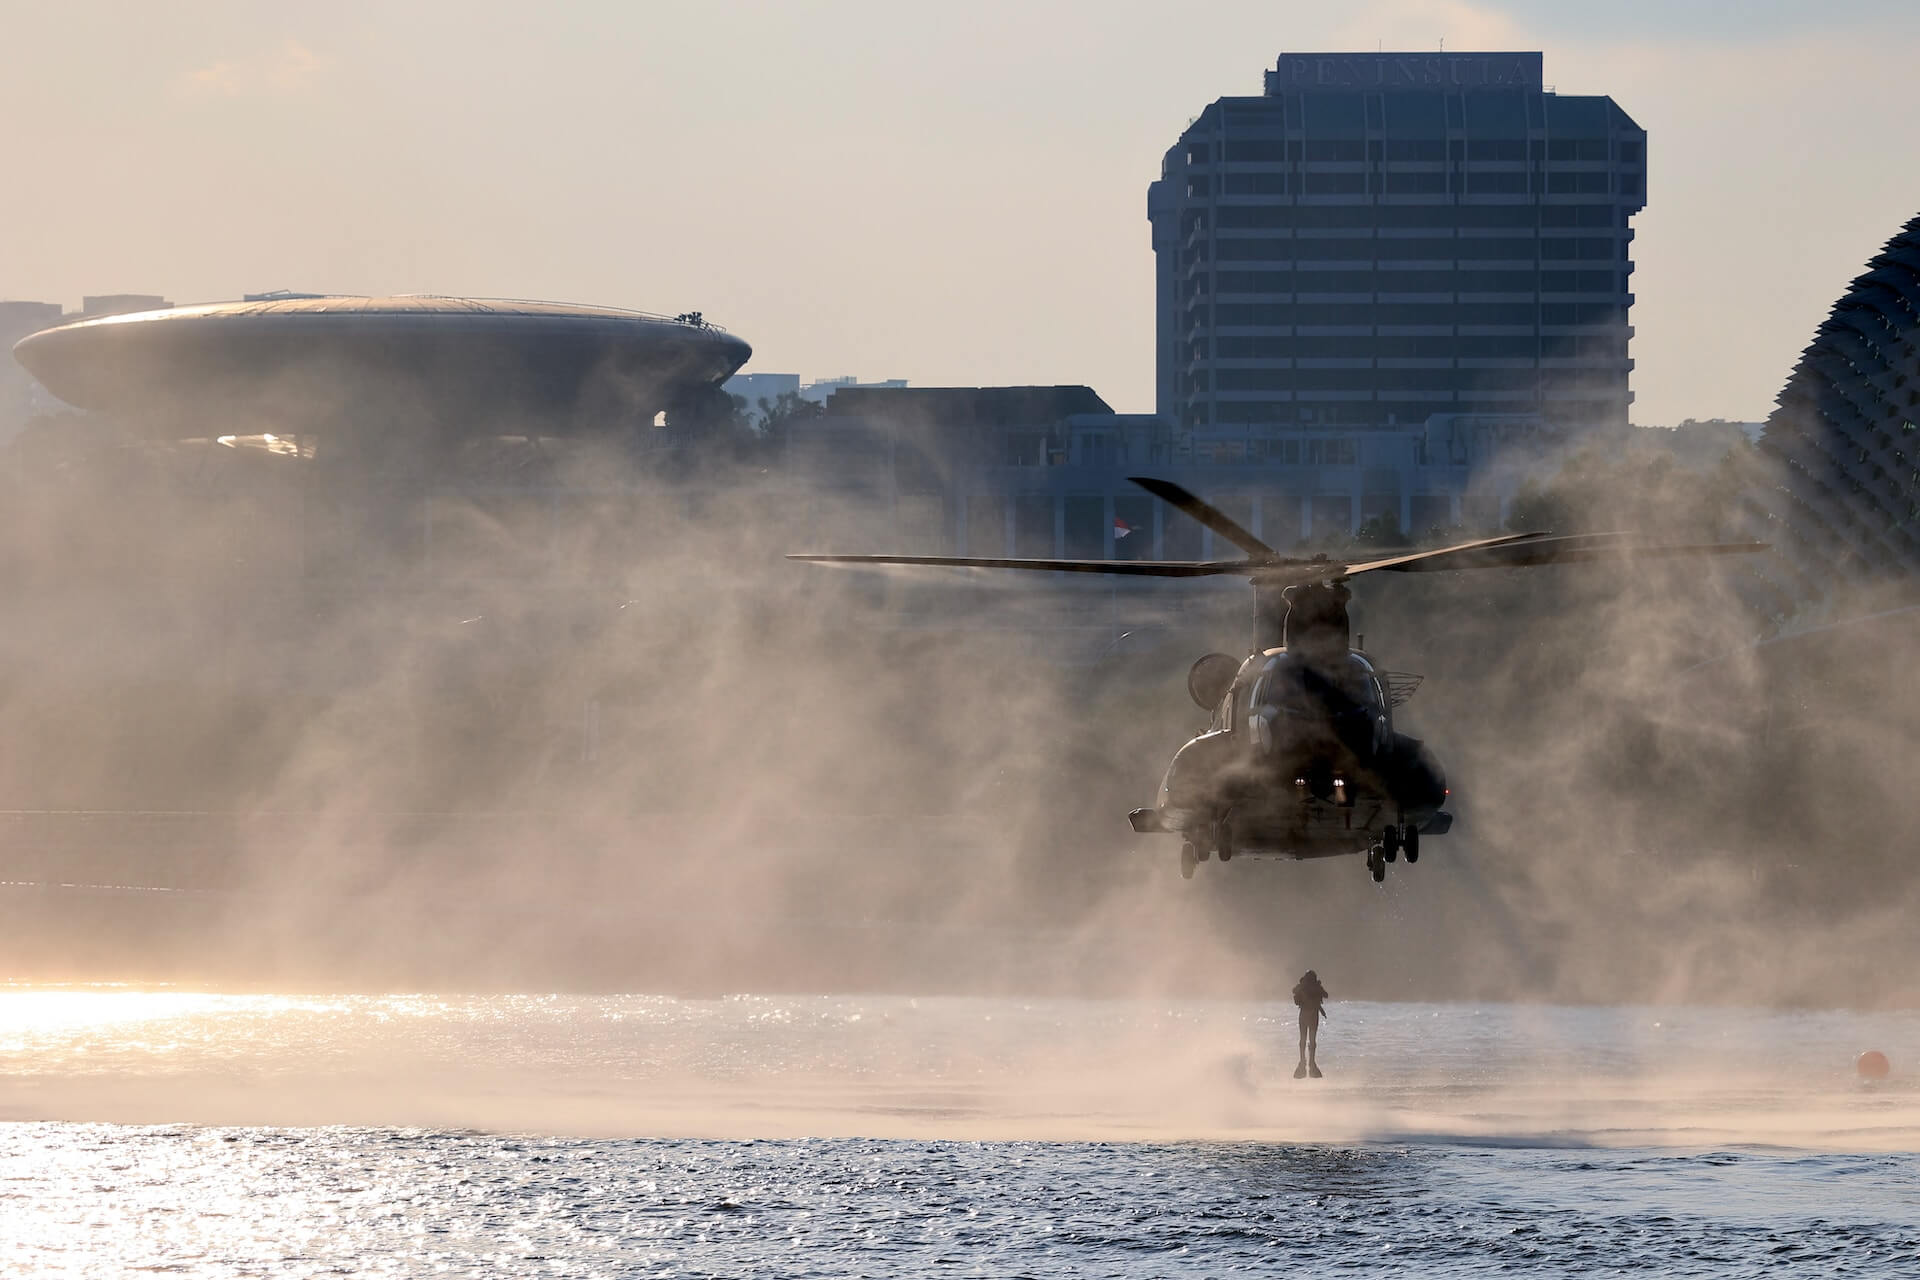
column 949, row 193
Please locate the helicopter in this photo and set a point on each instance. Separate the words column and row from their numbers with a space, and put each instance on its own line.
column 1300, row 758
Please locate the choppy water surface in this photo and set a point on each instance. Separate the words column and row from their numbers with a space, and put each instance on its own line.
column 227, row 1135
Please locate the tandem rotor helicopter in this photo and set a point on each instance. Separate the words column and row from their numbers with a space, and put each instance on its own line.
column 1301, row 759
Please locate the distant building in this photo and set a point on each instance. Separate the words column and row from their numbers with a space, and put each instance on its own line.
column 1839, row 498
column 21, row 397
column 121, row 304
column 1042, row 471
column 822, row 390
column 1383, row 238
column 755, row 387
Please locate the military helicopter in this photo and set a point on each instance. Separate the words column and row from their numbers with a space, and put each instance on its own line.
column 1301, row 758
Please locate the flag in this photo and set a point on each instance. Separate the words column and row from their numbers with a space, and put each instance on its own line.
column 1121, row 528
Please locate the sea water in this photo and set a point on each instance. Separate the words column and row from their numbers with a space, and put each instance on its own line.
column 202, row 1134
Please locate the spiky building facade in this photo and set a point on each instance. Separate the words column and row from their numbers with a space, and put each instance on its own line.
column 1840, row 497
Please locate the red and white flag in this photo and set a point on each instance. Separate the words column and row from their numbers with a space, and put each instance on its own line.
column 1121, row 528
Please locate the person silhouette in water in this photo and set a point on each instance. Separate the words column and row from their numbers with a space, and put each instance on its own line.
column 1312, row 999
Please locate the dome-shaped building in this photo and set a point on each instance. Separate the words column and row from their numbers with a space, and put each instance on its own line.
column 404, row 366
column 1838, row 495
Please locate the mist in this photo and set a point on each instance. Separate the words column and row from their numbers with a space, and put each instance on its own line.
column 552, row 712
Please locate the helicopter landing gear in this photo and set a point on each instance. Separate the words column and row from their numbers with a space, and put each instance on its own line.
column 1390, row 843
column 1411, row 843
column 1377, row 864
column 1189, row 859
column 1223, row 839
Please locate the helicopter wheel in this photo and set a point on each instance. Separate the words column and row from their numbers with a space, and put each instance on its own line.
column 1390, row 844
column 1377, row 864
column 1412, row 843
column 1189, row 859
column 1223, row 837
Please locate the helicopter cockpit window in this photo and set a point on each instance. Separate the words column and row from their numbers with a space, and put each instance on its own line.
column 1284, row 688
column 1357, row 681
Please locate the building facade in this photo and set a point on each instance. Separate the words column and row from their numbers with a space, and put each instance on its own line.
column 1384, row 238
column 21, row 398
column 1043, row 471
column 1839, row 495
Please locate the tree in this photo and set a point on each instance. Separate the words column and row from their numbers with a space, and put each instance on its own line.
column 785, row 409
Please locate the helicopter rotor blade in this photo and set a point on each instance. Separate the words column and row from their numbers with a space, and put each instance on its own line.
column 1536, row 549
column 1207, row 514
column 1130, row 568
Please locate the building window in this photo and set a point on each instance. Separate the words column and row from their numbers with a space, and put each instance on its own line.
column 1497, row 348
column 1502, row 248
column 1417, row 281
column 1507, row 184
column 1576, row 215
column 1498, row 149
column 1577, row 282
column 1026, row 449
column 1256, row 184
column 1496, row 215
column 1577, row 183
column 1033, row 527
column 1255, row 151
column 1253, row 250
column 1414, row 313
column 1254, row 380
column 1589, row 150
column 986, row 526
column 1490, row 313
column 1334, row 184
column 1241, row 216
column 1334, row 313
column 1251, row 314
column 1239, row 348
column 1335, row 452
column 1416, row 184
column 1591, row 248
column 1430, row 150
column 1414, row 348
column 1497, row 282
column 1336, row 149
column 1087, row 529
column 1335, row 282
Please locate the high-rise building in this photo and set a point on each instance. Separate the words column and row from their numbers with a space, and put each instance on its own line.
column 1381, row 238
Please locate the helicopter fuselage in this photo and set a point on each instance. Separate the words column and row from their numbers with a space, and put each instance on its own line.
column 1301, row 760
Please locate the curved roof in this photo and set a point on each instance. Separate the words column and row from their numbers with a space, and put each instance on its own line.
column 1841, row 502
column 343, row 363
column 405, row 304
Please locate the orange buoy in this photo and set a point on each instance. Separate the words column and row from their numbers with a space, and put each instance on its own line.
column 1872, row 1065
